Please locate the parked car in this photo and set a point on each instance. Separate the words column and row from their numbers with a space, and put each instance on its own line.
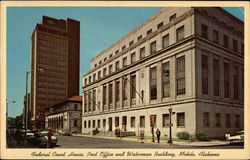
column 41, row 139
column 29, row 135
column 237, row 138
column 61, row 132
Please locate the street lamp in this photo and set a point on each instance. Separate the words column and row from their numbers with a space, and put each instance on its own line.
column 7, row 103
column 170, row 126
column 26, row 105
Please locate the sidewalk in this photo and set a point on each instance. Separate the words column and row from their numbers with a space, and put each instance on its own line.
column 181, row 143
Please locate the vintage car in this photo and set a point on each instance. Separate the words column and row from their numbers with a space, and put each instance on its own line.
column 237, row 138
column 41, row 139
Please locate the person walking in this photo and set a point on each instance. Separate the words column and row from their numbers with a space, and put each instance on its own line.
column 49, row 135
column 158, row 134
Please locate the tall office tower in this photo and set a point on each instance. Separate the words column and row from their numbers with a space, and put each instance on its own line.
column 54, row 64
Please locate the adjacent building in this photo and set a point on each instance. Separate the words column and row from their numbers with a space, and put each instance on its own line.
column 54, row 64
column 190, row 59
column 65, row 115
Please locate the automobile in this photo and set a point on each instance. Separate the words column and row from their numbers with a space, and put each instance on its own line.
column 61, row 132
column 40, row 139
column 29, row 135
column 237, row 138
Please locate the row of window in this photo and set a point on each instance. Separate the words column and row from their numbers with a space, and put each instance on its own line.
column 217, row 76
column 107, row 94
column 180, row 121
column 218, row 117
column 160, row 25
column 153, row 49
column 216, row 37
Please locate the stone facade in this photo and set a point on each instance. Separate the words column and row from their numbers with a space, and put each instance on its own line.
column 176, row 59
column 66, row 115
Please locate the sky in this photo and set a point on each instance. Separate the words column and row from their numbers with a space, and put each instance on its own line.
column 100, row 27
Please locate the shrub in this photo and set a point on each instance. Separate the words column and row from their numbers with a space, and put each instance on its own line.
column 201, row 136
column 183, row 135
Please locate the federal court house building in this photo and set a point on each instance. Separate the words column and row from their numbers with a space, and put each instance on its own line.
column 189, row 59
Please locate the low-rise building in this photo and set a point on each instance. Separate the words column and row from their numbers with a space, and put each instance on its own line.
column 65, row 115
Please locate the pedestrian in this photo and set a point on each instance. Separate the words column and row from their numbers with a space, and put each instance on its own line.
column 49, row 136
column 158, row 134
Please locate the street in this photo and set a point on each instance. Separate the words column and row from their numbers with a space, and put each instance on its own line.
column 87, row 142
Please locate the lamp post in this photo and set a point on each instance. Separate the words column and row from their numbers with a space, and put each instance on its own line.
column 26, row 105
column 170, row 126
column 7, row 108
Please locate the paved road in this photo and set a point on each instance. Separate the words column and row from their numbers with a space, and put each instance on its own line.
column 86, row 142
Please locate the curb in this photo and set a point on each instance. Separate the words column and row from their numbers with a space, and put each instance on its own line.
column 155, row 143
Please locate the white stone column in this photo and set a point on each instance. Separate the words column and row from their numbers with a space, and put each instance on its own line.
column 159, row 81
column 173, row 78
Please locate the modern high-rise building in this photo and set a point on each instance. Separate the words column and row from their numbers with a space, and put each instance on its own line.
column 186, row 61
column 54, row 64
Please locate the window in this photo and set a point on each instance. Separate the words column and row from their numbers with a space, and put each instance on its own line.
column 117, row 91
column 242, row 48
column 142, row 121
column 99, row 123
column 235, row 45
column 94, row 77
column 226, row 79
column 160, row 25
column 216, row 77
column 117, row 51
column 89, row 124
column 85, row 81
column 180, row 69
column 89, row 79
column 94, row 100
column 165, row 120
column 237, row 121
column 206, row 119
column 181, row 119
column 110, row 93
column 235, row 82
column 133, row 86
column 85, row 124
column 165, row 79
column 153, row 83
column 149, row 32
column 217, row 120
column 85, row 102
column 124, row 61
column 204, row 31
column 225, row 41
column 152, row 120
column 132, row 122
column 110, row 55
column 104, row 123
column 139, row 38
column 105, row 59
column 104, row 72
column 180, row 33
column 153, row 47
column 95, row 65
column 99, row 74
column 75, row 107
column 104, row 95
column 110, row 69
column 93, row 123
column 117, row 65
column 165, row 41
column 228, row 120
column 204, row 61
column 131, row 43
column 116, row 121
column 133, row 58
column 172, row 17
column 142, row 52
column 215, row 36
column 124, row 88
column 124, row 47
column 89, row 100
